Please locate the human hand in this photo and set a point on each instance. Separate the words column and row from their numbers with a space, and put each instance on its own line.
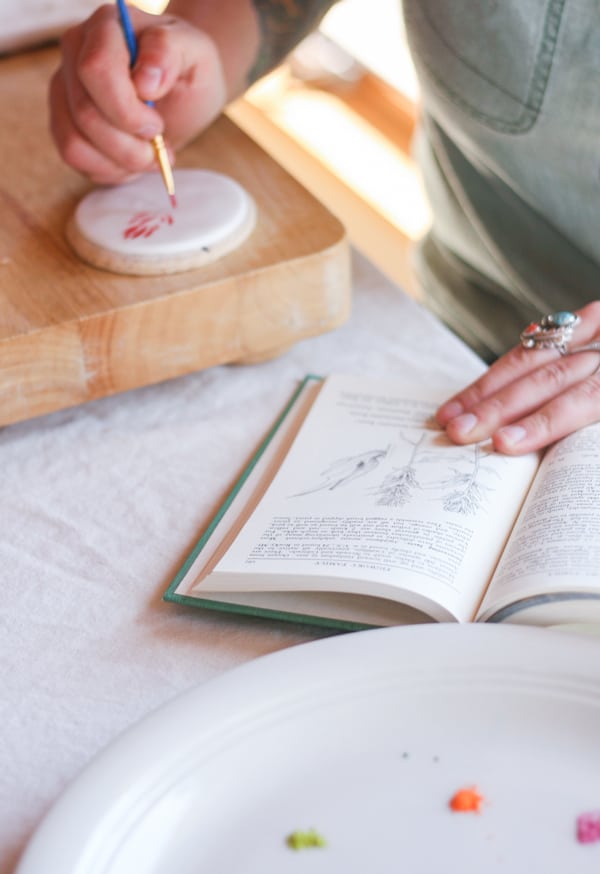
column 529, row 398
column 98, row 118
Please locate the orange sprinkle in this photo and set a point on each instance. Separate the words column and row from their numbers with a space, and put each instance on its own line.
column 466, row 801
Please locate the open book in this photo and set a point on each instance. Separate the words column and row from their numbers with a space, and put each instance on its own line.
column 357, row 511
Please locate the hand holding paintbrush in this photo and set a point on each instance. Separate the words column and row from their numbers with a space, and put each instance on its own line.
column 101, row 113
column 158, row 142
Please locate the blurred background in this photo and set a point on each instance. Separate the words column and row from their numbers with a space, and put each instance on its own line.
column 340, row 114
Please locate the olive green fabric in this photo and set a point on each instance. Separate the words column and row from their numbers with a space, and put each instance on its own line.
column 510, row 152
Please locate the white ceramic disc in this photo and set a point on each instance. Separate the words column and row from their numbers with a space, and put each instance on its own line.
column 134, row 228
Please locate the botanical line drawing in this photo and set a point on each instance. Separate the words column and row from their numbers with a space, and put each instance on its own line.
column 468, row 492
column 345, row 470
column 459, row 487
column 398, row 486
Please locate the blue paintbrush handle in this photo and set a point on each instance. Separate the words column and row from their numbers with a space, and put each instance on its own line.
column 157, row 142
column 128, row 31
column 130, row 37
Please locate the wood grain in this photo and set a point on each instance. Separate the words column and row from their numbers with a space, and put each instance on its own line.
column 70, row 332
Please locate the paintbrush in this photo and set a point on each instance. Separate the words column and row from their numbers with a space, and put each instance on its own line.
column 158, row 142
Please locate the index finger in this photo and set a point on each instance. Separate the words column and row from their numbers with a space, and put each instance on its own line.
column 515, row 364
column 103, row 67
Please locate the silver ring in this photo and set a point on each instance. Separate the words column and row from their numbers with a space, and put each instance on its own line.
column 589, row 347
column 552, row 332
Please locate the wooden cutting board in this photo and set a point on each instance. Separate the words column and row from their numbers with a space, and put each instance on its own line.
column 70, row 332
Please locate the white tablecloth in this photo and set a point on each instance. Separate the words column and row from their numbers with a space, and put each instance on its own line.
column 28, row 23
column 99, row 506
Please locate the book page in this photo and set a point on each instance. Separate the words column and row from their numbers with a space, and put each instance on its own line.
column 373, row 499
column 554, row 552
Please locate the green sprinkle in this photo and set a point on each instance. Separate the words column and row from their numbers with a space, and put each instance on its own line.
column 301, row 840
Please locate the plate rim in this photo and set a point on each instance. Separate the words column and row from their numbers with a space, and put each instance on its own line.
column 105, row 779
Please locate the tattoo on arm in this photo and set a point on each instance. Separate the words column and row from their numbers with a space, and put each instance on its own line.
column 283, row 24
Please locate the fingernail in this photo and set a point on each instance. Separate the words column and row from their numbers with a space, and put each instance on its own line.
column 463, row 424
column 451, row 410
column 148, row 80
column 148, row 131
column 512, row 434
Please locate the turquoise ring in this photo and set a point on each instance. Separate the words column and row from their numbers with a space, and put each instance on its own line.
column 551, row 332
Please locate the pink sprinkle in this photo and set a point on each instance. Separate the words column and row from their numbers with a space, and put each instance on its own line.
column 588, row 827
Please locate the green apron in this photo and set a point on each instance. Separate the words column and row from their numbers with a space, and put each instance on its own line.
column 509, row 147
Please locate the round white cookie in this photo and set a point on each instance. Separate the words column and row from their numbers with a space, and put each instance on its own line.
column 133, row 228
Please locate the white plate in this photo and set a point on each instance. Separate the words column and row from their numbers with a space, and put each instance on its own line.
column 364, row 737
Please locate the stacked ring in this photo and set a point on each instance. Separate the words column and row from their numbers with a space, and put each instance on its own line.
column 552, row 332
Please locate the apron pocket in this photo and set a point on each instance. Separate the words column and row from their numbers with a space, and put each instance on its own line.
column 491, row 58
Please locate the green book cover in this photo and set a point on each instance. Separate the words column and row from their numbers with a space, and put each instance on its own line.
column 173, row 595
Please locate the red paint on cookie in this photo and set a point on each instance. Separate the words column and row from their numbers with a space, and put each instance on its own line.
column 146, row 223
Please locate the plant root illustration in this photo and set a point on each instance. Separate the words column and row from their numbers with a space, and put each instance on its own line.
column 468, row 492
column 345, row 470
column 456, row 477
column 399, row 485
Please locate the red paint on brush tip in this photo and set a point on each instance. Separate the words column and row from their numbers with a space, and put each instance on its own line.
column 466, row 801
column 173, row 200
